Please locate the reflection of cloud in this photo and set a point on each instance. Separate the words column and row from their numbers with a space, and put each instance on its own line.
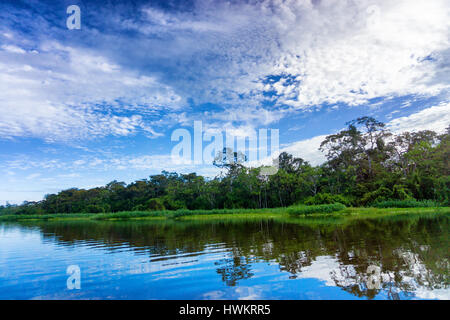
column 440, row 294
column 214, row 295
column 239, row 293
column 419, row 277
column 249, row 293
column 415, row 278
column 322, row 268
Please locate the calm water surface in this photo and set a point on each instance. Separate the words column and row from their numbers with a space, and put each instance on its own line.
column 235, row 260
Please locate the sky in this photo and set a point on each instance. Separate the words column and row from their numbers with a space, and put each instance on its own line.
column 82, row 107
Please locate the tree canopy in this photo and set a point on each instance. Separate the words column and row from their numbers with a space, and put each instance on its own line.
column 365, row 163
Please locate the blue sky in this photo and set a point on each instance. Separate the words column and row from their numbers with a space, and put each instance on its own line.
column 83, row 107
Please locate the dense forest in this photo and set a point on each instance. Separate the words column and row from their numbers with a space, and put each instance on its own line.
column 365, row 164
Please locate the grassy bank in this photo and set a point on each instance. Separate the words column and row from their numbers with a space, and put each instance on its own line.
column 406, row 204
column 298, row 212
column 322, row 208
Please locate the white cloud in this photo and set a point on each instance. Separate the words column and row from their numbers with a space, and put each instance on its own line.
column 33, row 176
column 332, row 51
column 64, row 93
column 308, row 150
column 436, row 118
column 13, row 49
column 326, row 51
column 342, row 51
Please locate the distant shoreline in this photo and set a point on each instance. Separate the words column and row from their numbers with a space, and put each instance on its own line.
column 229, row 214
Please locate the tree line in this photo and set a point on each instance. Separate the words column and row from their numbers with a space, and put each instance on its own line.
column 366, row 163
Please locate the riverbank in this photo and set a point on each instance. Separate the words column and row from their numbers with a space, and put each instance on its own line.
column 227, row 214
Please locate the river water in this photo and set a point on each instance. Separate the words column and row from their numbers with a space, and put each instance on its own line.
column 388, row 258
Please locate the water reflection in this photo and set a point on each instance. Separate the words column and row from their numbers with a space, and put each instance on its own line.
column 252, row 259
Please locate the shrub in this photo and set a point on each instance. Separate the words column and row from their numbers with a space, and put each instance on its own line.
column 326, row 198
column 322, row 208
column 129, row 214
column 410, row 203
column 381, row 194
column 401, row 192
column 155, row 204
column 171, row 204
column 139, row 207
column 443, row 190
column 94, row 208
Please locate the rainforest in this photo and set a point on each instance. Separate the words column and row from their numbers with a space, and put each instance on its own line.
column 367, row 166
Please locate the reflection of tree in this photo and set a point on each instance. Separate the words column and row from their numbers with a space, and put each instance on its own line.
column 408, row 267
column 234, row 269
column 294, row 261
column 347, row 278
column 411, row 252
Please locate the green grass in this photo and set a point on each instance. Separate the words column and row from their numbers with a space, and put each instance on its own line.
column 321, row 208
column 334, row 212
column 379, row 212
column 223, row 212
column 126, row 215
column 405, row 204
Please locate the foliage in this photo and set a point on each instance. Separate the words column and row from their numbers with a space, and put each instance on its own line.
column 327, row 198
column 155, row 204
column 280, row 214
column 411, row 203
column 381, row 194
column 443, row 190
column 322, row 208
column 366, row 164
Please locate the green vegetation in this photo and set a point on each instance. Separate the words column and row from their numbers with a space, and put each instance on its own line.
column 327, row 198
column 366, row 166
column 322, row 208
column 307, row 214
column 411, row 203
column 180, row 213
